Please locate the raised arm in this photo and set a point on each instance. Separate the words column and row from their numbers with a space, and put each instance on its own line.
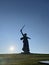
column 21, row 32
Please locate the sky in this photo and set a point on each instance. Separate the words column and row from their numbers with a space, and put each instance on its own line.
column 34, row 14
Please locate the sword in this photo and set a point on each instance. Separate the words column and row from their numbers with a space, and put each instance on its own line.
column 22, row 28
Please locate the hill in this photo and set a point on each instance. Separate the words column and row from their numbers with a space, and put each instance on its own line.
column 22, row 59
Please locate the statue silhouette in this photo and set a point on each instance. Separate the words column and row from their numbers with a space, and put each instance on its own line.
column 25, row 42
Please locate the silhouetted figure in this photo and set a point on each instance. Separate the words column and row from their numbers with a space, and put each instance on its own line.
column 25, row 42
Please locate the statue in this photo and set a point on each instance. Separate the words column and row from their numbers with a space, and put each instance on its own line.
column 25, row 42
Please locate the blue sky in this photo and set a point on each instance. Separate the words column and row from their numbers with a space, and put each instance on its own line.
column 34, row 14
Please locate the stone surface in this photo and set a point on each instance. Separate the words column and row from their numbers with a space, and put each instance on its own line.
column 44, row 62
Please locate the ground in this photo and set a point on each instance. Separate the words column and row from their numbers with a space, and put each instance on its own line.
column 22, row 59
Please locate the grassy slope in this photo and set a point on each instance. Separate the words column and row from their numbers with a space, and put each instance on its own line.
column 22, row 59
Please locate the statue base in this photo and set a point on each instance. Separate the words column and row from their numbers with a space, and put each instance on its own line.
column 25, row 52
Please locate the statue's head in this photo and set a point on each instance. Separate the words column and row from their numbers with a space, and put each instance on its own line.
column 25, row 34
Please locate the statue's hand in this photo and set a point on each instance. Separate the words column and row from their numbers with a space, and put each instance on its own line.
column 21, row 30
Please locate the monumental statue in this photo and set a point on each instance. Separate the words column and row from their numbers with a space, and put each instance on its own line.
column 25, row 42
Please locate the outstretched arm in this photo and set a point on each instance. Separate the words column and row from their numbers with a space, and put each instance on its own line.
column 28, row 37
column 21, row 38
